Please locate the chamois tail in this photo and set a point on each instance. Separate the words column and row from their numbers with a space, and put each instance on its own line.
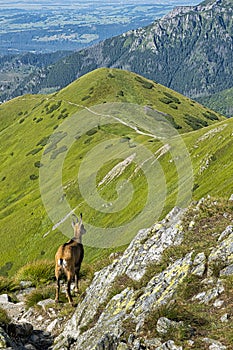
column 62, row 263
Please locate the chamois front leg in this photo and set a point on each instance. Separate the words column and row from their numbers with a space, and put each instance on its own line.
column 57, row 291
column 58, row 276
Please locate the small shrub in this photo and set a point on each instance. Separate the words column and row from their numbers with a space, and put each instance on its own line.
column 21, row 120
column 172, row 122
column 43, row 142
column 146, row 84
column 34, row 177
column 210, row 115
column 39, row 120
column 38, row 272
column 86, row 97
column 195, row 187
column 173, row 105
column 38, row 164
column 172, row 97
column 120, row 93
column 165, row 100
column 194, row 122
column 34, row 151
column 91, row 132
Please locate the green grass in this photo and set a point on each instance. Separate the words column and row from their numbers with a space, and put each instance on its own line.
column 26, row 230
column 4, row 318
column 38, row 272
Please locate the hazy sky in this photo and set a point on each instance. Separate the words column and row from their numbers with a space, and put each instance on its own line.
column 25, row 4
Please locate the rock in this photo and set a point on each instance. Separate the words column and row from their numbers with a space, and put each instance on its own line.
column 152, row 343
column 164, row 325
column 147, row 247
column 231, row 197
column 223, row 253
column 191, row 224
column 23, row 330
column 29, row 347
column 206, row 296
column 199, row 265
column 218, row 303
column 52, row 325
column 161, row 289
column 4, row 298
column 14, row 310
column 214, row 344
column 226, row 233
column 5, row 340
column 108, row 342
column 169, row 345
column 122, row 346
column 225, row 318
column 227, row 271
column 25, row 284
column 44, row 303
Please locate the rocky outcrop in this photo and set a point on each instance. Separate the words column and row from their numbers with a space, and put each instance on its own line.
column 130, row 303
column 100, row 320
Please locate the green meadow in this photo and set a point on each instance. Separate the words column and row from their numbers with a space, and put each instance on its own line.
column 46, row 142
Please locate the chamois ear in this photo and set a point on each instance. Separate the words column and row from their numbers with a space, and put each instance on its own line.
column 74, row 219
column 81, row 218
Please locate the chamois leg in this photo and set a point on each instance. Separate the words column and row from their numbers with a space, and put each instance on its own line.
column 57, row 291
column 68, row 294
column 57, row 288
column 76, row 278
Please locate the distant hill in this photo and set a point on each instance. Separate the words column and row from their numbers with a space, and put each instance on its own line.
column 27, row 122
column 188, row 50
column 16, row 68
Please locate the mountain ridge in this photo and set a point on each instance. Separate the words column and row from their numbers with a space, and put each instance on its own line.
column 188, row 50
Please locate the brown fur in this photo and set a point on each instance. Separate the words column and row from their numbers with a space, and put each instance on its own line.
column 68, row 260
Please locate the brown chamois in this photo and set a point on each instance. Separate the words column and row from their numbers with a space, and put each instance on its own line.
column 69, row 257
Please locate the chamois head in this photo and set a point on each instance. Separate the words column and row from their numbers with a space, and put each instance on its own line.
column 78, row 226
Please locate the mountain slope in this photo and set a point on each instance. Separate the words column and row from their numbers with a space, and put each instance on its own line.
column 221, row 102
column 33, row 125
column 189, row 50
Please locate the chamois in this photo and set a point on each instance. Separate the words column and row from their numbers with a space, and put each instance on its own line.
column 68, row 259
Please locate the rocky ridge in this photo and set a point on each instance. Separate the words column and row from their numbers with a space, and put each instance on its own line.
column 150, row 296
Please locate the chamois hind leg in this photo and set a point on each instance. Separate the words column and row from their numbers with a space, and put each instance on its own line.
column 68, row 293
column 76, row 278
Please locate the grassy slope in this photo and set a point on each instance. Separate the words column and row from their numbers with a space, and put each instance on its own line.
column 27, row 120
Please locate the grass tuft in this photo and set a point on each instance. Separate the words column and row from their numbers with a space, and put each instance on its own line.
column 38, row 272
